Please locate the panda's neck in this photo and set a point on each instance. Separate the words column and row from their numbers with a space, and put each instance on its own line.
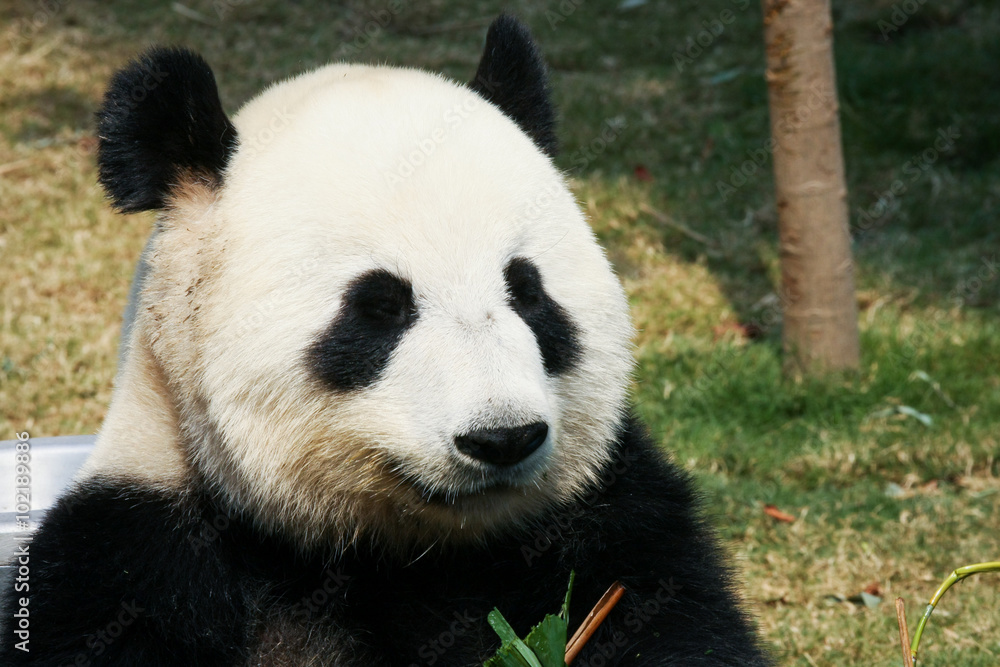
column 139, row 439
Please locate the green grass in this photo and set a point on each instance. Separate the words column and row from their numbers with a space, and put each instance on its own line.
column 879, row 497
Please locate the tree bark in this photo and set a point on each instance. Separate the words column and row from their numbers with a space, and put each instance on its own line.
column 820, row 330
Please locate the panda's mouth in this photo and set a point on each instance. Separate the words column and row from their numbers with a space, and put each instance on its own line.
column 442, row 496
column 454, row 497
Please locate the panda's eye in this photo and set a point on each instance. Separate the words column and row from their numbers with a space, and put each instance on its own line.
column 381, row 298
column 353, row 351
column 552, row 326
column 524, row 284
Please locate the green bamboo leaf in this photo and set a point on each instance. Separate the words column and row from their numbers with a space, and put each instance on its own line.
column 545, row 645
column 507, row 656
column 547, row 640
column 564, row 612
column 513, row 652
column 501, row 626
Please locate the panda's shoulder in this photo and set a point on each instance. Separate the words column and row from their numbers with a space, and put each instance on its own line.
column 641, row 479
column 644, row 512
column 118, row 555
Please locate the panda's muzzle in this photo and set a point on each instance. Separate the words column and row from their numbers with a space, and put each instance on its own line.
column 503, row 446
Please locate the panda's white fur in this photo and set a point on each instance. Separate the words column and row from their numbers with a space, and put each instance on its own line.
column 351, row 168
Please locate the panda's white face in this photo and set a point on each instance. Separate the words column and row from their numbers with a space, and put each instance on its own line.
column 391, row 318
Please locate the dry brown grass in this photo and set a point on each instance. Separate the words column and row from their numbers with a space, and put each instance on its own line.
column 67, row 257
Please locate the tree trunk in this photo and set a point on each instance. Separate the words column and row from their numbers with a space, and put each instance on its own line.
column 820, row 312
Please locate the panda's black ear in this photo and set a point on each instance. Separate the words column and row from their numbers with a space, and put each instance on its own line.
column 512, row 75
column 161, row 119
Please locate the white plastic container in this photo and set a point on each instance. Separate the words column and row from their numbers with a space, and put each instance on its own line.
column 52, row 462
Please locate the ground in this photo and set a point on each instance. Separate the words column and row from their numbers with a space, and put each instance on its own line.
column 892, row 475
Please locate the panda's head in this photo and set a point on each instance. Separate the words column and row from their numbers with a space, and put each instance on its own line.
column 375, row 303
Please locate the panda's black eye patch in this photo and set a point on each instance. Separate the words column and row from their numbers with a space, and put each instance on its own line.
column 377, row 309
column 382, row 299
column 554, row 331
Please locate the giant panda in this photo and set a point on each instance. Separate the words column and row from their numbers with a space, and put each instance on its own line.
column 377, row 384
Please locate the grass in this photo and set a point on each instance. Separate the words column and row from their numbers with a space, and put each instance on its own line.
column 879, row 497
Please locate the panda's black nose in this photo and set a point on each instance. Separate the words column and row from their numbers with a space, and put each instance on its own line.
column 503, row 446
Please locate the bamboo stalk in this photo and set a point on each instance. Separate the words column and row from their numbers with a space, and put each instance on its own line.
column 956, row 576
column 904, row 633
column 593, row 621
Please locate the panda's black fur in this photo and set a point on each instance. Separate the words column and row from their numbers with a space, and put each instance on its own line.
column 161, row 116
column 512, row 75
column 127, row 574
